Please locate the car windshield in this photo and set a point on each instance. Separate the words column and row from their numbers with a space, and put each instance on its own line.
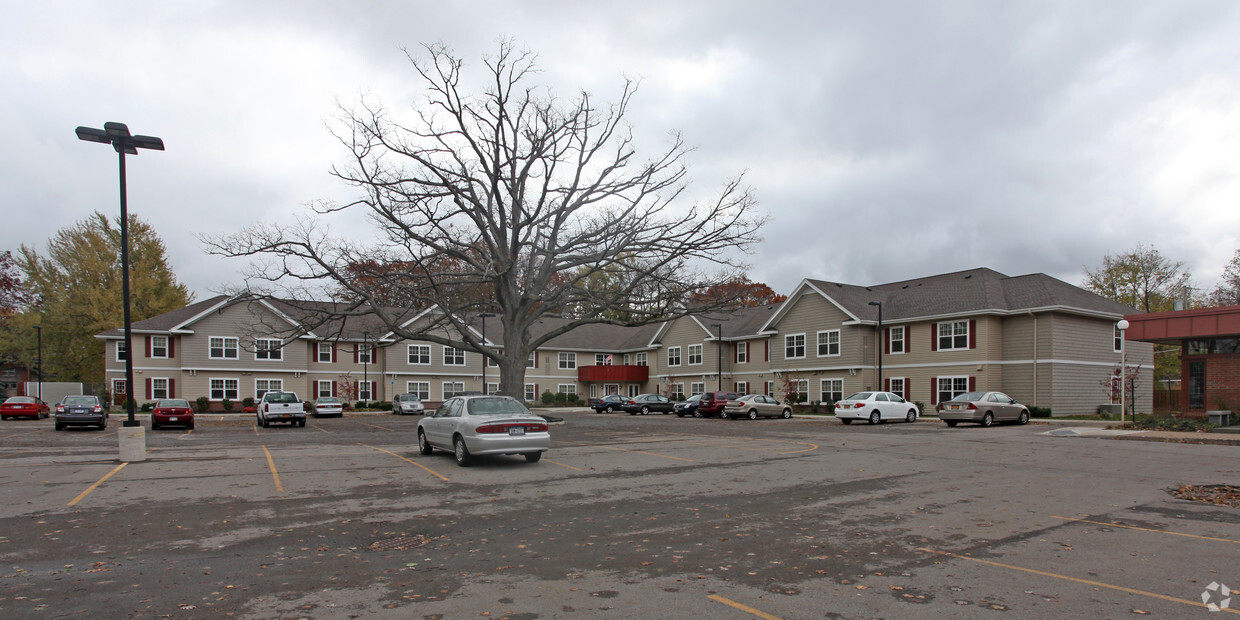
column 173, row 402
column 970, row 396
column 329, row 401
column 79, row 400
column 496, row 406
column 859, row 396
column 409, row 398
column 281, row 397
column 746, row 398
column 694, row 398
column 20, row 399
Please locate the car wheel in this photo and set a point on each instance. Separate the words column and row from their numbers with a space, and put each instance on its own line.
column 533, row 457
column 723, row 415
column 787, row 414
column 1024, row 418
column 632, row 413
column 753, row 414
column 988, row 419
column 154, row 426
column 4, row 417
column 424, row 446
column 645, row 410
column 301, row 423
column 875, row 418
column 951, row 423
column 846, row 420
column 680, row 415
column 697, row 414
column 190, row 427
column 461, row 451
column 59, row 427
column 912, row 416
column 609, row 409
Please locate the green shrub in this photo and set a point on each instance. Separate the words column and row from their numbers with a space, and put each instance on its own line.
column 548, row 398
column 1169, row 423
column 227, row 404
column 247, row 402
column 361, row 404
column 147, row 407
column 384, row 406
column 203, row 403
column 1040, row 412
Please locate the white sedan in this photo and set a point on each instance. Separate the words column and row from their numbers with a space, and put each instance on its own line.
column 875, row 407
column 477, row 425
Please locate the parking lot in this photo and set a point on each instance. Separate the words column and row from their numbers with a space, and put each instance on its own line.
column 652, row 516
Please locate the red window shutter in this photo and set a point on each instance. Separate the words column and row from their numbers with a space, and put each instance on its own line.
column 355, row 352
column 934, row 390
column 972, row 384
column 767, row 354
column 333, row 382
column 736, row 354
column 172, row 383
column 886, row 385
column 148, row 346
column 972, row 334
column 536, row 366
column 172, row 349
column 907, row 389
column 149, row 391
column 887, row 341
column 934, row 337
column 333, row 353
column 908, row 338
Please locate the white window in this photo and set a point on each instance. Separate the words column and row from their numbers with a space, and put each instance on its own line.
column 897, row 385
column 531, row 362
column 634, row 390
column 365, row 353
column 159, row 389
column 897, row 341
column 421, row 389
column 568, row 361
column 600, row 359
column 453, row 356
column 742, row 352
column 325, row 353
column 323, row 389
column 626, row 359
column 1119, row 340
column 695, row 355
column 951, row 387
column 639, row 359
column 798, row 389
column 492, row 388
column 452, row 388
column 268, row 349
column 567, row 388
column 531, row 392
column 222, row 348
column 159, row 348
column 829, row 343
column 794, row 346
column 121, row 350
column 831, row 390
column 366, row 390
column 419, row 354
column 770, row 388
column 491, row 362
column 118, row 387
column 262, row 386
column 676, row 391
column 697, row 388
column 742, row 387
column 225, row 389
column 953, row 335
column 673, row 356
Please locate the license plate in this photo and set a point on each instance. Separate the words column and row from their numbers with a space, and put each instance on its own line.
column 954, row 407
column 516, row 430
column 172, row 419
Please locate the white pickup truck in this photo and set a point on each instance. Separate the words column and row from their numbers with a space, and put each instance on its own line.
column 280, row 407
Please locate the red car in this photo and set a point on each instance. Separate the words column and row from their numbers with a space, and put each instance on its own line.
column 172, row 411
column 24, row 407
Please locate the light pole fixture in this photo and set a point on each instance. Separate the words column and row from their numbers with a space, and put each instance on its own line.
column 38, row 330
column 484, row 316
column 117, row 134
column 719, row 348
column 1122, row 326
column 880, row 345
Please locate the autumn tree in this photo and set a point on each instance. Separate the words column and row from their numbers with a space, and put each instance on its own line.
column 1227, row 293
column 502, row 185
column 743, row 293
column 75, row 291
column 12, row 296
column 1142, row 278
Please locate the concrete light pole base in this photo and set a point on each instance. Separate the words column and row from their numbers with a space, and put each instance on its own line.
column 133, row 443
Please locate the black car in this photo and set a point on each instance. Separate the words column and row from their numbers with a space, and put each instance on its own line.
column 645, row 403
column 688, row 407
column 609, row 403
column 81, row 411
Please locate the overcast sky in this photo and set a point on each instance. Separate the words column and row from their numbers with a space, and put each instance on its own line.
column 886, row 140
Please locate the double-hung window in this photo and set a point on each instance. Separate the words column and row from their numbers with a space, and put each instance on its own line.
column 568, row 361
column 639, row 359
column 419, row 354
column 829, row 343
column 224, row 389
column 159, row 347
column 953, row 335
column 951, row 387
column 673, row 356
column 742, row 352
column 323, row 389
column 1119, row 340
column 122, row 350
column 365, row 353
column 268, row 349
column 159, row 389
column 452, row 388
column 897, row 385
column 896, row 340
column 453, row 357
column 794, row 346
column 421, row 389
column 222, row 348
column 831, row 390
column 262, row 386
column 325, row 353
column 695, row 355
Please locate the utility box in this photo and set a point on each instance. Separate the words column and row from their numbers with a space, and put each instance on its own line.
column 52, row 391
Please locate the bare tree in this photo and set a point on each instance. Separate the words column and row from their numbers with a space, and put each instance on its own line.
column 1227, row 293
column 515, row 193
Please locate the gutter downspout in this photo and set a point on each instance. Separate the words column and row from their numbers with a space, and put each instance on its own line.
column 1035, row 357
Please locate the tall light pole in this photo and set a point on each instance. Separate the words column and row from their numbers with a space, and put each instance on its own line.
column 880, row 346
column 1122, row 326
column 117, row 134
column 719, row 348
column 484, row 316
column 38, row 330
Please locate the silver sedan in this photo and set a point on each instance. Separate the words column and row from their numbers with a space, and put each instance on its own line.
column 477, row 425
column 985, row 408
column 754, row 406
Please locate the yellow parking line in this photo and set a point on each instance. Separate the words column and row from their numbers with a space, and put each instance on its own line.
column 632, row 451
column 378, row 427
column 96, row 485
column 563, row 465
column 1143, row 529
column 275, row 475
column 744, row 608
column 432, row 472
column 1075, row 579
column 20, row 434
column 319, row 428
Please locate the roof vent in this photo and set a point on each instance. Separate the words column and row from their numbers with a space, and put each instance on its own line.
column 868, row 288
column 839, row 285
column 968, row 276
column 905, row 286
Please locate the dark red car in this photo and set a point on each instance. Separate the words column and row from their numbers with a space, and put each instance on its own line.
column 711, row 403
column 24, row 407
column 172, row 411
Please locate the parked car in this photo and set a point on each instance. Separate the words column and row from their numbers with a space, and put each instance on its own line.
column 328, row 406
column 471, row 426
column 753, row 406
column 645, row 403
column 403, row 404
column 688, row 407
column 875, row 407
column 280, row 407
column 24, row 407
column 712, row 403
column 172, row 411
column 81, row 411
column 610, row 403
column 985, row 408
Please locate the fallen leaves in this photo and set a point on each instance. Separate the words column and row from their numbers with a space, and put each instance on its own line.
column 1217, row 494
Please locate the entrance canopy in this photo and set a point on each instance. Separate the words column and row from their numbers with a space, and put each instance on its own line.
column 1178, row 326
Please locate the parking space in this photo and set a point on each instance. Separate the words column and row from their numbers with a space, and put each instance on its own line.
column 733, row 519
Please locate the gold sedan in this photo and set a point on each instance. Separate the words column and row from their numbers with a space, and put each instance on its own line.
column 753, row 406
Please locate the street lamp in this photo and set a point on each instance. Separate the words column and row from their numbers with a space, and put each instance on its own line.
column 38, row 330
column 117, row 134
column 1122, row 326
column 484, row 316
column 880, row 346
column 719, row 348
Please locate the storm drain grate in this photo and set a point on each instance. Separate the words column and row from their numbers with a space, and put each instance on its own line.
column 400, row 544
